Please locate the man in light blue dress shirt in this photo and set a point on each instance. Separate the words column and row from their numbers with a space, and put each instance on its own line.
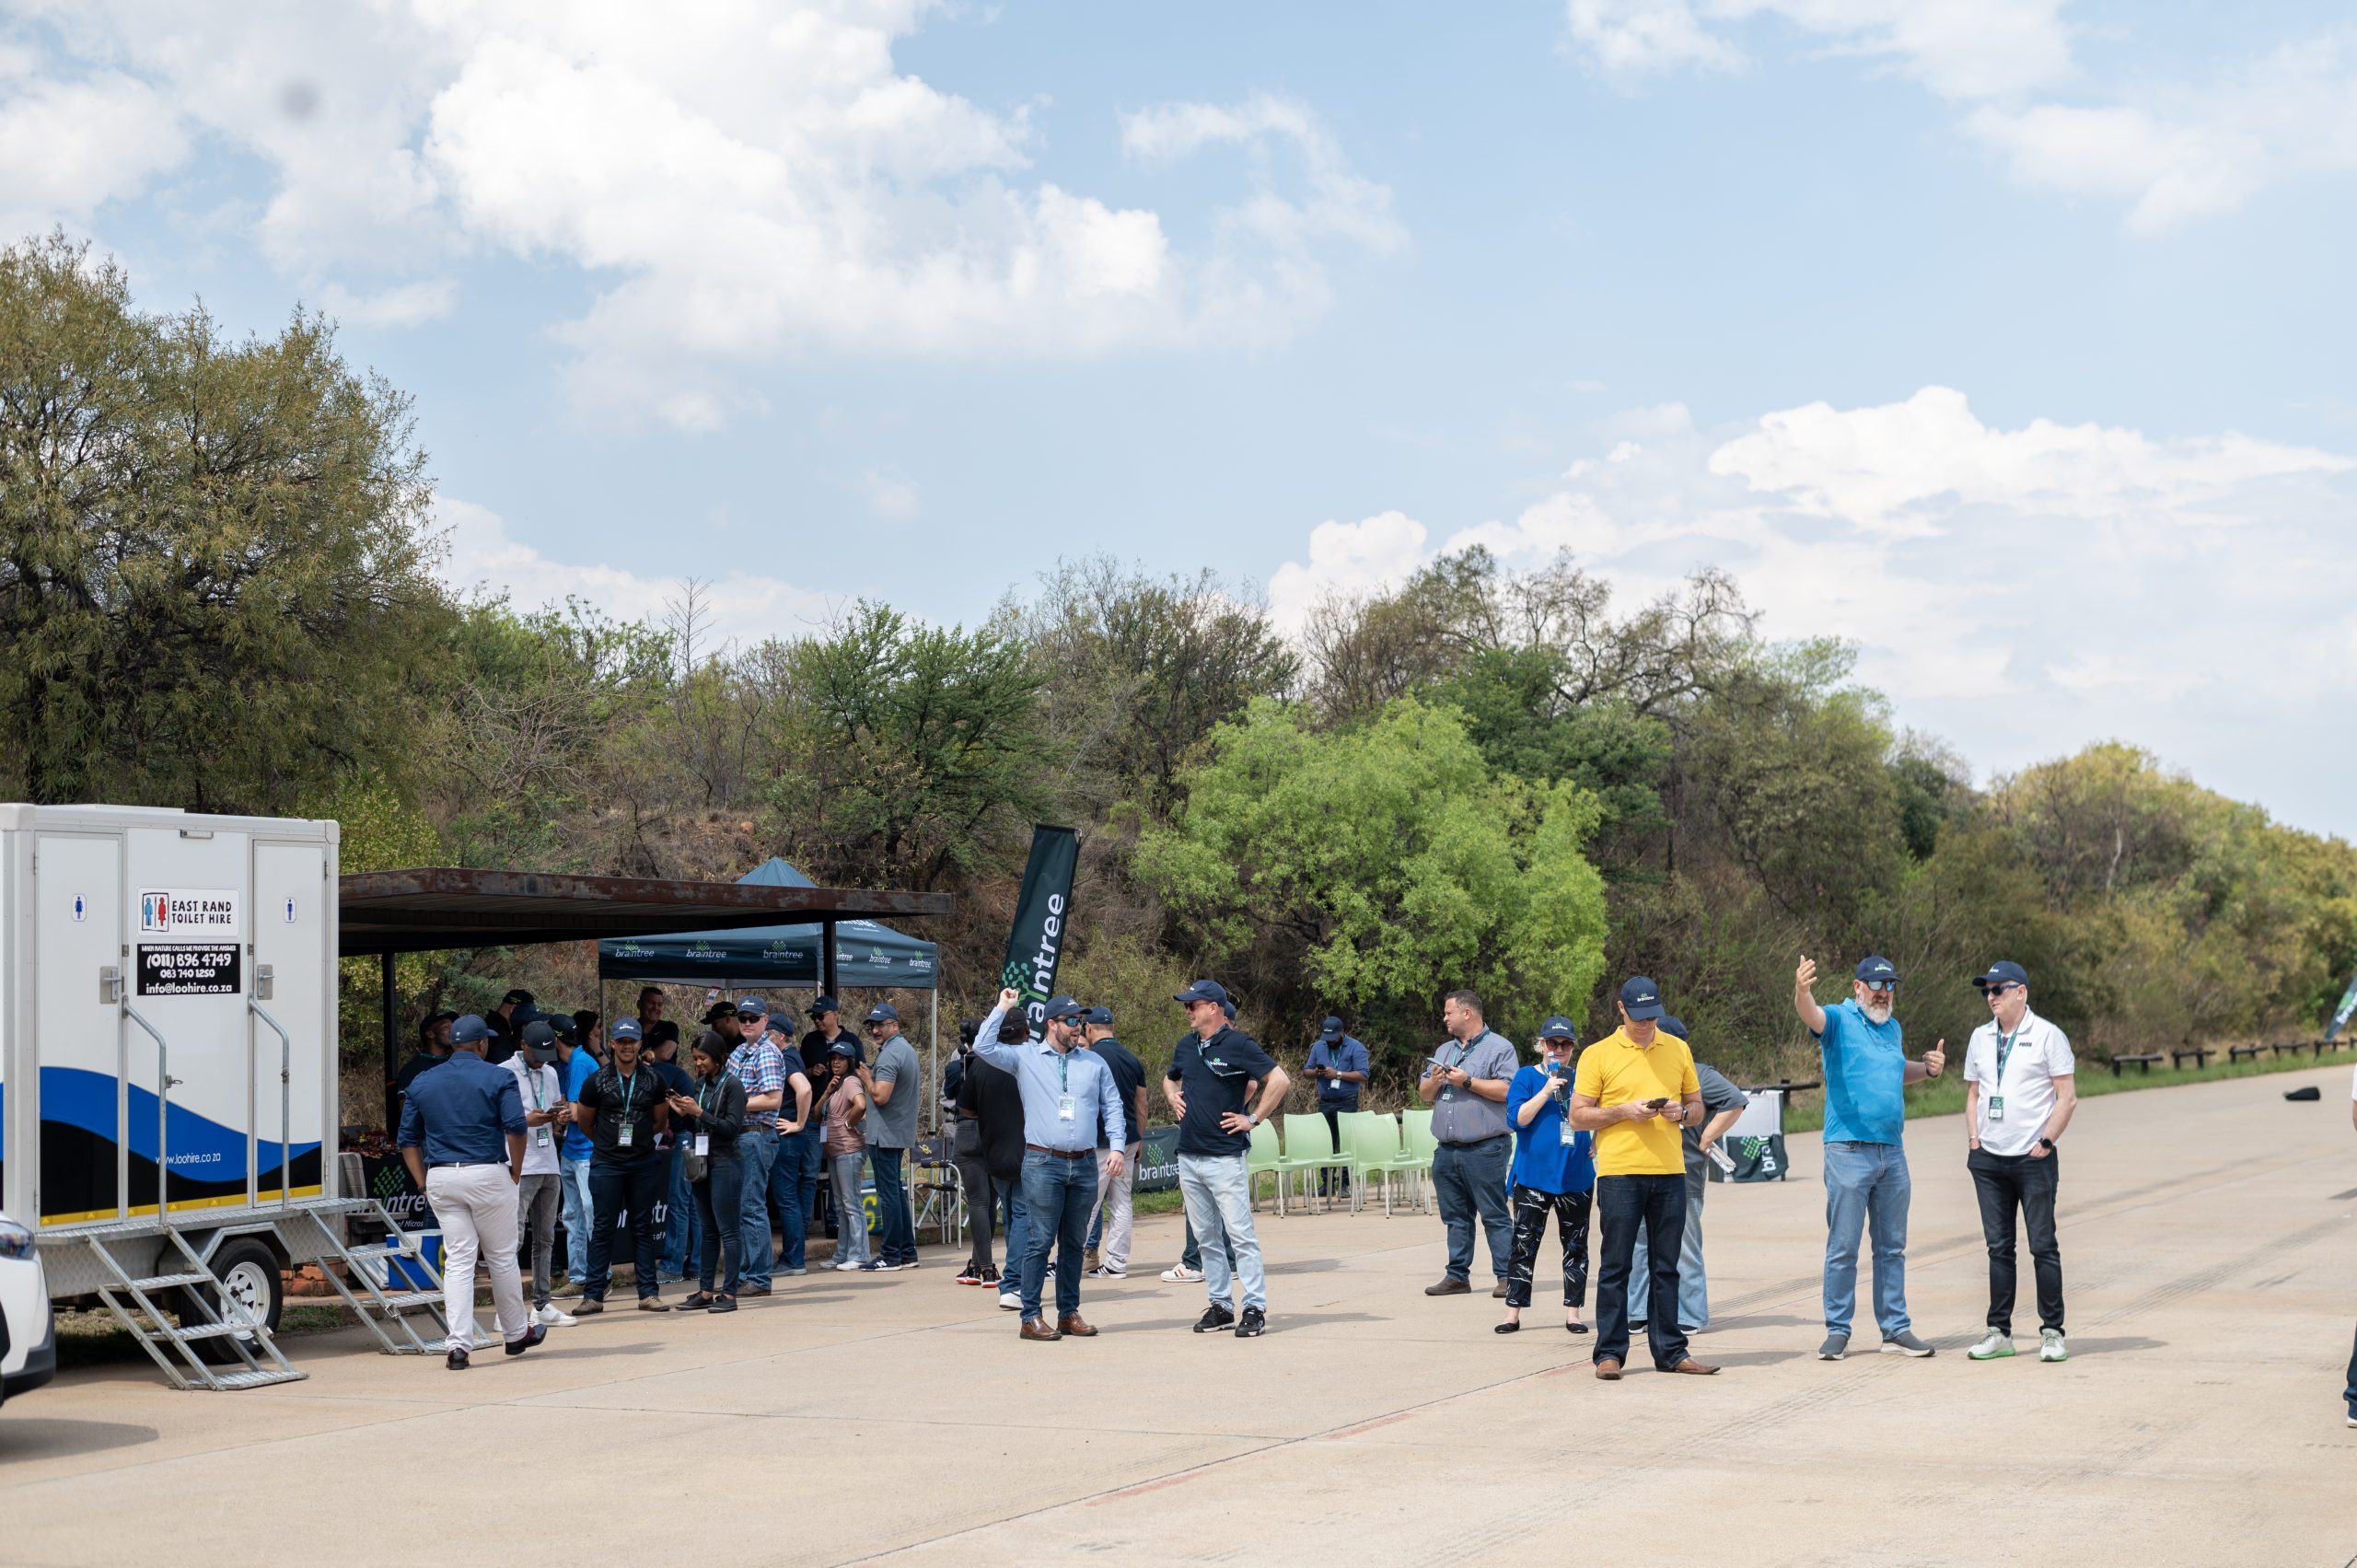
column 1066, row 1092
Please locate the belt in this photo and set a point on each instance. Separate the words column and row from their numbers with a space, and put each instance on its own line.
column 1063, row 1154
column 459, row 1165
column 1471, row 1142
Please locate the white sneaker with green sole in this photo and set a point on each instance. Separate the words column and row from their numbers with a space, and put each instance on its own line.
column 2050, row 1345
column 1992, row 1345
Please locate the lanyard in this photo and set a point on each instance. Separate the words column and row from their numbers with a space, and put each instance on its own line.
column 2005, row 1043
column 703, row 1097
column 630, row 1091
column 1064, row 1071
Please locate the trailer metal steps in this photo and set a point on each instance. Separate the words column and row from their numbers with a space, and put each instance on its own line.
column 219, row 1317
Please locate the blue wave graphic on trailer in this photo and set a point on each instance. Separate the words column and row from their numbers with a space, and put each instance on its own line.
column 199, row 1145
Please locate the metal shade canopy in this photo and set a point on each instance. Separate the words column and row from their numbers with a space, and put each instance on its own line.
column 430, row 909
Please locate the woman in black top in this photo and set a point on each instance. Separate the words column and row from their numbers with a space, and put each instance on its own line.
column 711, row 1121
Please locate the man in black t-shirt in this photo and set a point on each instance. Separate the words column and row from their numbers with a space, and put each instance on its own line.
column 622, row 1108
column 1214, row 1071
column 1110, row 1260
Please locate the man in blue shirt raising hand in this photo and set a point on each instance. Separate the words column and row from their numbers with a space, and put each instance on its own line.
column 1066, row 1092
column 1867, row 1074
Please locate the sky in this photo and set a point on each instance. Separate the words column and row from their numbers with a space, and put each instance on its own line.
column 2009, row 340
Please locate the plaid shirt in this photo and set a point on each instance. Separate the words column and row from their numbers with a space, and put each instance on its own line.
column 760, row 1067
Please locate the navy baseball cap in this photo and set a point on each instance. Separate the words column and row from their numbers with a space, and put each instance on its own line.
column 1876, row 970
column 824, row 1005
column 1558, row 1028
column 883, row 1013
column 625, row 1029
column 845, row 1048
column 1102, row 1017
column 2004, row 972
column 1204, row 991
column 1062, row 1008
column 1330, row 1029
column 752, row 1007
column 1641, row 998
column 469, row 1029
column 1672, row 1024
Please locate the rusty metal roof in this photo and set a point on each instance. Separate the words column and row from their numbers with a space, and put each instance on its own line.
column 437, row 907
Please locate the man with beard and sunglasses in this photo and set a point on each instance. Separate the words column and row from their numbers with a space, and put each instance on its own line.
column 1866, row 1185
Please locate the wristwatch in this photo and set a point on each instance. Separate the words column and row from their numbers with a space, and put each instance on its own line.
column 2047, row 1143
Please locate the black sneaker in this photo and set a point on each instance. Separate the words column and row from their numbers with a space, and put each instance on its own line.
column 1215, row 1318
column 1252, row 1325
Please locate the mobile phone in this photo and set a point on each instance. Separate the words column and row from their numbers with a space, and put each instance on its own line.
column 1658, row 1104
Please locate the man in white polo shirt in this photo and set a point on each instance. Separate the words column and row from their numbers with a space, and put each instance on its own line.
column 2019, row 1091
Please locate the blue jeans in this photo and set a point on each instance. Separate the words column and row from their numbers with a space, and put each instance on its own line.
column 1865, row 1185
column 851, row 1228
column 578, row 1210
column 895, row 1231
column 2349, row 1393
column 1057, row 1195
column 681, row 1216
column 1469, row 1179
column 793, row 1179
column 1219, row 1205
column 1018, row 1233
column 756, row 1153
column 1693, row 1290
column 1623, row 1204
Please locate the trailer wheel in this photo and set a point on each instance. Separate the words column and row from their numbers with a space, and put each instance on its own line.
column 250, row 1284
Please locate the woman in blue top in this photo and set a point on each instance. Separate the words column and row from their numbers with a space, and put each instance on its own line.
column 1553, row 1171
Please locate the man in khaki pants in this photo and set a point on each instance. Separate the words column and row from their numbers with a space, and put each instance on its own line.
column 462, row 1138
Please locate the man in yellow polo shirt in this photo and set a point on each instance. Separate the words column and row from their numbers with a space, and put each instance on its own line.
column 1635, row 1089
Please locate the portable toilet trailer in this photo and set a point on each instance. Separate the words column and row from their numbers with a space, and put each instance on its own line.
column 168, row 1092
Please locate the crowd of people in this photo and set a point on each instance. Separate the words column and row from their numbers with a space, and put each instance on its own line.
column 723, row 1167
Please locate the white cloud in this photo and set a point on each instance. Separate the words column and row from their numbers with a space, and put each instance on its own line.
column 68, row 147
column 482, row 557
column 888, row 494
column 2173, row 150
column 2022, row 590
column 404, row 304
column 1960, row 49
column 1346, row 560
column 2176, row 152
column 746, row 182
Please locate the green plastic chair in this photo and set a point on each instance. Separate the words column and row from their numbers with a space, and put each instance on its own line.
column 1371, row 1143
column 1309, row 1148
column 1264, row 1158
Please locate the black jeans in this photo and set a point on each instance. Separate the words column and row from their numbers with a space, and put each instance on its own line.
column 2349, row 1393
column 637, row 1186
column 720, row 1203
column 982, row 1193
column 1623, row 1203
column 1337, row 1178
column 2006, row 1183
column 1531, row 1208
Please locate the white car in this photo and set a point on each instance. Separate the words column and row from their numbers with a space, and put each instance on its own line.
column 27, row 1334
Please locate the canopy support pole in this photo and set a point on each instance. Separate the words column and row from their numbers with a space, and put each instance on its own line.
column 933, row 1060
column 827, row 957
column 392, row 1043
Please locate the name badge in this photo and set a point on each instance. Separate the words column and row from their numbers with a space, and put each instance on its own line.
column 1996, row 1107
column 622, row 1140
column 703, row 1145
column 541, row 1137
column 1065, row 1108
column 1571, row 1135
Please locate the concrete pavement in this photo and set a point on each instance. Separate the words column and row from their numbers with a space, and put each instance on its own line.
column 2207, row 1236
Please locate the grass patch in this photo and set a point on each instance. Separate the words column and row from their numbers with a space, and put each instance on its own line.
column 1944, row 1096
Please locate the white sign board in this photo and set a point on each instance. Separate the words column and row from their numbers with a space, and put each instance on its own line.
column 188, row 912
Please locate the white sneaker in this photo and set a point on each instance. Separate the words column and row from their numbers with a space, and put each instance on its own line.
column 550, row 1318
column 1992, row 1346
column 2050, row 1345
column 1010, row 1300
column 848, row 1265
column 1107, row 1272
column 1182, row 1275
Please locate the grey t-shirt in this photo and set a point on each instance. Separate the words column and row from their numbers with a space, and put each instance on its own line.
column 1460, row 1116
column 894, row 1126
column 1718, row 1095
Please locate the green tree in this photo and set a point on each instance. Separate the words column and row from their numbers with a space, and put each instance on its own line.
column 1381, row 865
column 215, row 584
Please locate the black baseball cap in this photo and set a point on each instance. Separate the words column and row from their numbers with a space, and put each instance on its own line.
column 824, row 1005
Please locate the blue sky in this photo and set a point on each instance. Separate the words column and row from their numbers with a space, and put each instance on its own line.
column 2009, row 339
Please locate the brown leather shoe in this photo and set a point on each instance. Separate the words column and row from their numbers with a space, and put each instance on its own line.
column 1037, row 1328
column 1694, row 1368
column 1449, row 1285
column 1070, row 1323
column 1500, row 1291
column 1607, row 1370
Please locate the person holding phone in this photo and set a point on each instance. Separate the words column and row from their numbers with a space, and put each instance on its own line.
column 1553, row 1173
column 1723, row 1103
column 710, row 1119
column 1465, row 1083
column 1635, row 1089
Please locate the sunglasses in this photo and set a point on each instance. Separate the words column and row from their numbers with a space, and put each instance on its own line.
column 1879, row 985
column 1998, row 990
